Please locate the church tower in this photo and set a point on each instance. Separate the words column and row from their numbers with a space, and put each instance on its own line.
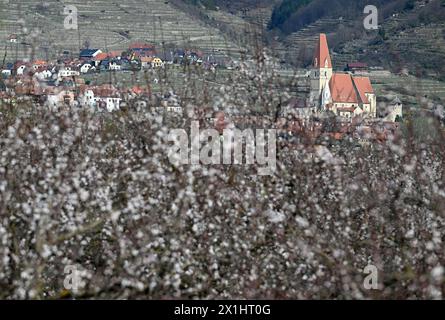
column 321, row 71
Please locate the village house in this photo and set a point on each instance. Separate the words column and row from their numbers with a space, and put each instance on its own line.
column 6, row 73
column 86, row 67
column 142, row 50
column 115, row 54
column 67, row 72
column 89, row 54
column 101, row 97
column 178, row 56
column 195, row 56
column 7, row 70
column 357, row 67
column 344, row 94
column 43, row 74
column 171, row 103
column 146, row 62
column 38, row 64
column 13, row 38
column 20, row 70
column 26, row 86
column 97, row 60
column 167, row 57
column 157, row 63
column 57, row 96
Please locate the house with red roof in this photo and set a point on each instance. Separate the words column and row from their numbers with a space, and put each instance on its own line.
column 139, row 49
column 344, row 94
column 38, row 64
column 356, row 67
column 101, row 97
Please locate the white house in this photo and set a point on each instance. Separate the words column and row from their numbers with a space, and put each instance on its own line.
column 43, row 75
column 110, row 103
column 157, row 63
column 88, row 99
column 174, row 109
column 21, row 70
column 6, row 72
column 85, row 68
column 114, row 65
column 103, row 97
column 146, row 62
column 38, row 64
column 67, row 72
column 56, row 98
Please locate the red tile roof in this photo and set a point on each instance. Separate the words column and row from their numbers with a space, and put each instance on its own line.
column 363, row 86
column 105, row 91
column 101, row 56
column 147, row 59
column 342, row 88
column 140, row 45
column 357, row 65
column 322, row 56
column 39, row 63
column 114, row 54
column 346, row 88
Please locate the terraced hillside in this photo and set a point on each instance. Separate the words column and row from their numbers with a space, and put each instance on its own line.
column 413, row 40
column 102, row 23
column 298, row 47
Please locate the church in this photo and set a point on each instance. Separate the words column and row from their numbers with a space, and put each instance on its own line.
column 345, row 94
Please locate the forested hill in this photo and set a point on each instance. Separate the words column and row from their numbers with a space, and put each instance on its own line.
column 291, row 15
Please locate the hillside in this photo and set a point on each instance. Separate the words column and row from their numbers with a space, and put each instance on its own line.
column 104, row 24
column 410, row 39
column 411, row 35
column 292, row 15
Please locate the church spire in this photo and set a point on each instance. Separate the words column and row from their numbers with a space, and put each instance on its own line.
column 322, row 58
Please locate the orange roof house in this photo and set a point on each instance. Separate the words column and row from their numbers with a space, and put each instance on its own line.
column 39, row 63
column 114, row 54
column 147, row 59
column 141, row 45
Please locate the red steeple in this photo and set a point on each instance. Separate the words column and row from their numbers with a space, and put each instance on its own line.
column 322, row 59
